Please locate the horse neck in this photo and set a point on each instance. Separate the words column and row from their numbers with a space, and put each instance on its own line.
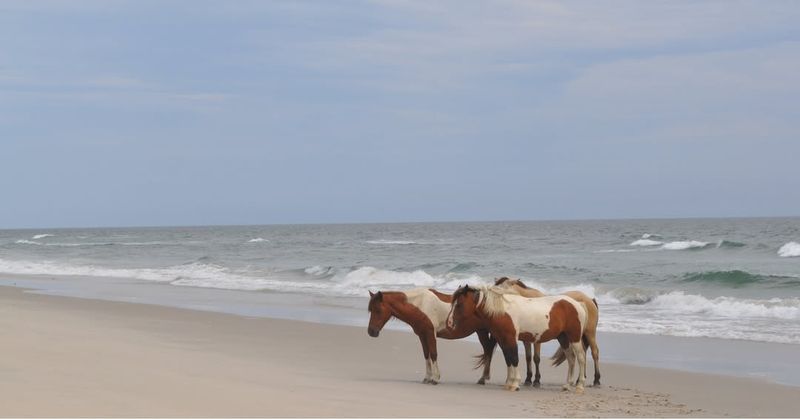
column 405, row 311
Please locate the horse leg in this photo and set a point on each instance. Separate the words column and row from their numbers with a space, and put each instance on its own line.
column 537, row 350
column 570, row 353
column 577, row 349
column 426, row 354
column 435, row 375
column 488, row 343
column 511, row 354
column 596, row 357
column 529, row 375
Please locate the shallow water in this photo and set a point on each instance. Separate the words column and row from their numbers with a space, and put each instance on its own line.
column 723, row 278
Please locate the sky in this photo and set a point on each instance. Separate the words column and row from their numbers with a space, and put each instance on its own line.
column 139, row 113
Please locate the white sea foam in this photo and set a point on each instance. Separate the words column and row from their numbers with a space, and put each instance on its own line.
column 257, row 240
column 679, row 302
column 41, row 236
column 23, row 241
column 646, row 242
column 358, row 280
column 391, row 242
column 684, row 245
column 788, row 250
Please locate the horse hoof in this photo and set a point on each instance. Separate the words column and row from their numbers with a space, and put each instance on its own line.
column 596, row 383
column 579, row 390
column 528, row 382
column 482, row 382
column 565, row 387
column 434, row 382
column 426, row 381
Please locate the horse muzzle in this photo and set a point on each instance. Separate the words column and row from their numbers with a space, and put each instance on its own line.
column 372, row 332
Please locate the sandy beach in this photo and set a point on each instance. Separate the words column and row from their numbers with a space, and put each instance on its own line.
column 66, row 356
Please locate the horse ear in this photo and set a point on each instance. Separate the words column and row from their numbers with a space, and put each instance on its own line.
column 371, row 294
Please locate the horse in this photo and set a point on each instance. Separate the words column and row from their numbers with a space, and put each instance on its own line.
column 510, row 317
column 590, row 335
column 425, row 310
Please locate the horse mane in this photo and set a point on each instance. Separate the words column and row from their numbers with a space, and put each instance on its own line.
column 491, row 297
column 500, row 281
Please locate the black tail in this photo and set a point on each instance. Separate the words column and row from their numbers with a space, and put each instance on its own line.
column 481, row 360
column 559, row 356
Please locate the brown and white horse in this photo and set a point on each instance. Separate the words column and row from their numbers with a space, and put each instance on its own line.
column 425, row 310
column 510, row 317
column 592, row 311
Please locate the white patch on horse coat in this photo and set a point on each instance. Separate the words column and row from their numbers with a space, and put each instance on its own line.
column 529, row 315
column 428, row 303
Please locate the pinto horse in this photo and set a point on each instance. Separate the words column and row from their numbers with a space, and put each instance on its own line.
column 425, row 310
column 590, row 334
column 510, row 317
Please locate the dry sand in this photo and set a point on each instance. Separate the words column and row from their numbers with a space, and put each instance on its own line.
column 65, row 356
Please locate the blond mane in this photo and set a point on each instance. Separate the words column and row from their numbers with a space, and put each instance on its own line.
column 493, row 299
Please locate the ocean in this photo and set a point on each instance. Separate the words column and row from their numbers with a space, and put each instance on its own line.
column 717, row 278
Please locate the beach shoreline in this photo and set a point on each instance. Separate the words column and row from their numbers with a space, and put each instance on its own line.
column 66, row 356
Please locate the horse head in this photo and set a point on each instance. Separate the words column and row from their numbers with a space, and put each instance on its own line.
column 464, row 306
column 379, row 313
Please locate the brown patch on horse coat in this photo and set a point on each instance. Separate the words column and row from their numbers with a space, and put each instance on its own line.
column 563, row 319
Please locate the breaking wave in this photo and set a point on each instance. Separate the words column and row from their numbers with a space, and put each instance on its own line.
column 646, row 242
column 788, row 250
column 257, row 240
column 685, row 245
column 41, row 236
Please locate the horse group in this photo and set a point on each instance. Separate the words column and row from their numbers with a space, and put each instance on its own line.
column 500, row 315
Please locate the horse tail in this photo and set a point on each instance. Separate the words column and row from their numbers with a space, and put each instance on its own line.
column 481, row 360
column 559, row 356
column 585, row 342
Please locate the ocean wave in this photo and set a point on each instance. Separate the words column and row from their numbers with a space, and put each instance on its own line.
column 788, row 250
column 685, row 245
column 391, row 242
column 729, row 244
column 679, row 302
column 628, row 295
column 646, row 242
column 738, row 278
column 356, row 282
column 319, row 270
column 257, row 240
column 23, row 241
column 41, row 236
column 651, row 236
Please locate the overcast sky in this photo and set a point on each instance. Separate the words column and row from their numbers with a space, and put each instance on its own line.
column 120, row 113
